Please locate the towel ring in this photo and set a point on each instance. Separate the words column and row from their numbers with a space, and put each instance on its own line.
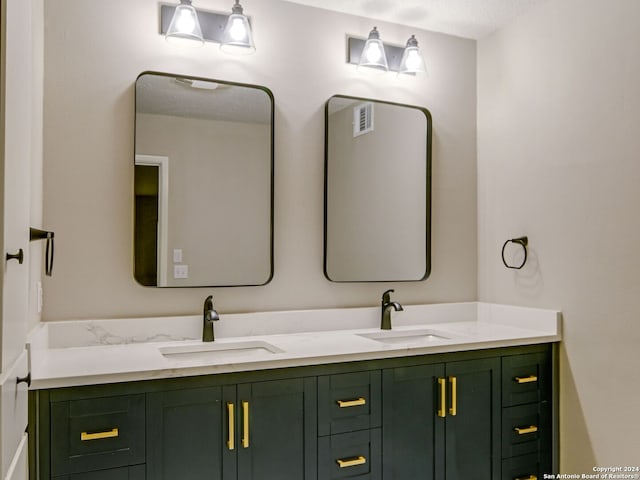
column 523, row 242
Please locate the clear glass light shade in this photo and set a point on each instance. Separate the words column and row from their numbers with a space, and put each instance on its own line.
column 373, row 54
column 412, row 61
column 184, row 24
column 237, row 36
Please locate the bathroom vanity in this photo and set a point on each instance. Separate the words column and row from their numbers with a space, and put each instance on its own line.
column 453, row 391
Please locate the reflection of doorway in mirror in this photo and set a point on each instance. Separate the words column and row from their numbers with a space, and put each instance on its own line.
column 161, row 165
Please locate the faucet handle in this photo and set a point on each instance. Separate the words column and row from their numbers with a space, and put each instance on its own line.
column 208, row 304
column 386, row 297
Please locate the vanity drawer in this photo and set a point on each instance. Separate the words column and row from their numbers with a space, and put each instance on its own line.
column 351, row 455
column 526, row 429
column 136, row 472
column 525, row 378
column 97, row 434
column 526, row 467
column 349, row 402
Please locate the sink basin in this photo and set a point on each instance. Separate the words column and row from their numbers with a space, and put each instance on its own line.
column 227, row 352
column 406, row 337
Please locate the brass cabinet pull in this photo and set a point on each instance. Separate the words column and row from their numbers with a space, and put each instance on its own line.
column 529, row 379
column 231, row 439
column 453, row 410
column 84, row 436
column 245, row 424
column 443, row 397
column 352, row 403
column 351, row 462
column 525, row 430
column 530, row 477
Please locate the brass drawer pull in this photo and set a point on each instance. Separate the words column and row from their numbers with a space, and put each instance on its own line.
column 245, row 424
column 351, row 462
column 84, row 436
column 525, row 430
column 231, row 440
column 453, row 410
column 530, row 477
column 352, row 403
column 442, row 412
column 529, row 379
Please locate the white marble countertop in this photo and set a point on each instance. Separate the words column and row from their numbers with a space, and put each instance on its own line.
column 87, row 352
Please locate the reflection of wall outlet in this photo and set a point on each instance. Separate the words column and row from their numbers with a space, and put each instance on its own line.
column 181, row 271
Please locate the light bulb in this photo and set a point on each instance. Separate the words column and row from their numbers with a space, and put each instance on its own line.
column 237, row 36
column 237, row 30
column 185, row 22
column 414, row 61
column 374, row 54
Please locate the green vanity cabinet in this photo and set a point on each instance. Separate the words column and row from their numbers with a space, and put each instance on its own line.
column 472, row 421
column 254, row 431
column 277, row 423
column 98, row 434
column 188, row 429
column 527, row 416
column 441, row 421
column 486, row 414
column 413, row 433
column 185, row 436
column 349, row 426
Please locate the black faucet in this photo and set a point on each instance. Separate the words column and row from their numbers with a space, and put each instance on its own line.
column 387, row 305
column 209, row 316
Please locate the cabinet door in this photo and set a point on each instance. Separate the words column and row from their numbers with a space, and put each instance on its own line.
column 186, row 435
column 412, row 433
column 472, row 448
column 278, row 430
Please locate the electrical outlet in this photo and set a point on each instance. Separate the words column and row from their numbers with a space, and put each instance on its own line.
column 177, row 255
column 181, row 271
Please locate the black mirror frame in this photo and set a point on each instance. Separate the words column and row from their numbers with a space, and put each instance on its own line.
column 272, row 166
column 428, row 179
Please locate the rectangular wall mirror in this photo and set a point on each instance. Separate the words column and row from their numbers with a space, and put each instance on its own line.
column 203, row 182
column 377, row 191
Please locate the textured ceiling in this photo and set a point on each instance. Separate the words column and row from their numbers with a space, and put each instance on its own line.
column 464, row 18
column 166, row 95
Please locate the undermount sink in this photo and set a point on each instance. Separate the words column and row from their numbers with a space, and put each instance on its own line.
column 220, row 351
column 406, row 337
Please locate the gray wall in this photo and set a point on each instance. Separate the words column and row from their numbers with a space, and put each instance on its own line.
column 558, row 151
column 90, row 70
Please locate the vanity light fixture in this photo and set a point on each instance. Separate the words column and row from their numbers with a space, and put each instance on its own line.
column 412, row 61
column 232, row 32
column 384, row 57
column 184, row 23
column 237, row 36
column 373, row 54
